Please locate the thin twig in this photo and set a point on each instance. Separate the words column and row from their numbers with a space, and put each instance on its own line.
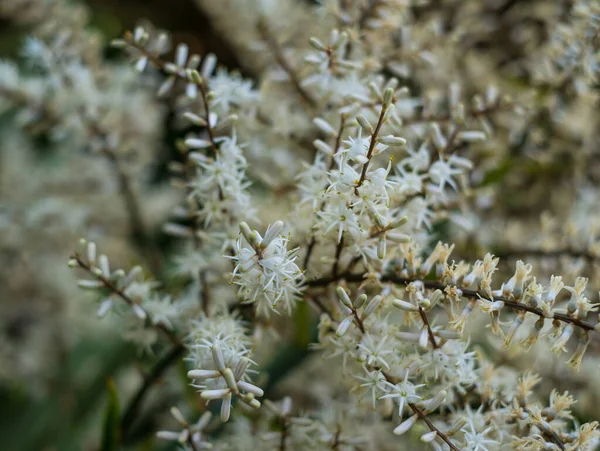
column 432, row 426
column 432, row 339
column 372, row 144
column 111, row 287
column 163, row 364
column 283, row 62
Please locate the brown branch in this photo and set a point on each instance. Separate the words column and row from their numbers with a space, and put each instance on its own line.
column 111, row 287
column 132, row 409
column 432, row 339
column 338, row 253
column 432, row 426
column 285, row 426
column 372, row 144
column 473, row 294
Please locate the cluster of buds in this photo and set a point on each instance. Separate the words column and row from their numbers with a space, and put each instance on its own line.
column 230, row 381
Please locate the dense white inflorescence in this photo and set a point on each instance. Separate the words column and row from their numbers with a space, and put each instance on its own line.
column 386, row 159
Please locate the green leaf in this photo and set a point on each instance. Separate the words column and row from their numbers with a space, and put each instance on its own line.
column 110, row 438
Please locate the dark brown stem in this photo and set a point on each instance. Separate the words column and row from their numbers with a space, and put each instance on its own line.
column 432, row 426
column 285, row 426
column 432, row 339
column 372, row 144
column 338, row 253
column 132, row 409
column 191, row 442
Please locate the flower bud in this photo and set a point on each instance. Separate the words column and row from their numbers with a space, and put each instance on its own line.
column 343, row 297
column 211, row 395
column 403, row 305
column 364, row 123
column 405, row 425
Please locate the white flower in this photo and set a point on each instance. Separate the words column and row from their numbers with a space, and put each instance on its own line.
column 404, row 392
column 267, row 274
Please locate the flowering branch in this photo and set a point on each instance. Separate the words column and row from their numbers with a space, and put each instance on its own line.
column 76, row 260
column 473, row 294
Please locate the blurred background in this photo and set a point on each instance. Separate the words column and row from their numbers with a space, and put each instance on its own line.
column 58, row 363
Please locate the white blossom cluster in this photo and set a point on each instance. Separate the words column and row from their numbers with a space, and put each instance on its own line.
column 430, row 224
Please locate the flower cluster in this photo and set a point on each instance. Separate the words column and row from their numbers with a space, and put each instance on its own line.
column 426, row 196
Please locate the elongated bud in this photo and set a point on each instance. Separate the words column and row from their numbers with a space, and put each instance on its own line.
column 197, row 143
column 246, row 231
column 226, row 408
column 195, row 76
column 375, row 91
column 230, row 380
column 324, row 126
column 322, row 146
column 272, row 232
column 104, row 265
column 91, row 253
column 397, row 237
column 104, row 308
column 360, row 301
column 471, row 136
column 391, row 140
column 203, row 374
column 398, row 222
column 371, row 306
column 217, row 355
column 195, row 119
column 139, row 311
column 344, row 298
column 439, row 140
column 90, row 284
column 250, row 388
column 405, row 425
column 436, row 297
column 403, row 305
column 168, row 435
column 433, row 403
column 343, row 327
column 211, row 395
column 364, row 123
column 448, row 334
column 424, row 338
column 178, row 416
column 429, row 437
column 240, row 368
column 208, row 65
column 381, row 247
column 317, row 44
column 388, row 96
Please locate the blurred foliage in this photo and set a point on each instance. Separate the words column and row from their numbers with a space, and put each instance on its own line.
column 84, row 408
